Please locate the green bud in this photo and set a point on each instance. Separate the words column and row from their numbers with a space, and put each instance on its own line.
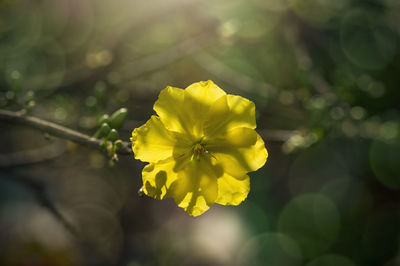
column 118, row 118
column 104, row 129
column 31, row 104
column 113, row 135
column 30, row 95
column 104, row 119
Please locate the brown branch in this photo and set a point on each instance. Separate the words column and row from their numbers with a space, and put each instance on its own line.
column 154, row 62
column 38, row 190
column 227, row 74
column 41, row 154
column 303, row 58
column 276, row 135
column 69, row 134
column 58, row 131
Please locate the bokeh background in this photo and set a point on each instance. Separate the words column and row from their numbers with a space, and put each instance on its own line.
column 324, row 76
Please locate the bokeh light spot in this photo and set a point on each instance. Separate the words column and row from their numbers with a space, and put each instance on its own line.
column 331, row 260
column 345, row 192
column 313, row 221
column 99, row 58
column 384, row 158
column 349, row 128
column 357, row 112
column 365, row 41
column 270, row 249
column 389, row 130
column 255, row 217
column 317, row 12
column 315, row 167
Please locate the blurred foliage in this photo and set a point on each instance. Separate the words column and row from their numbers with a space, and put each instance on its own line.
column 326, row 70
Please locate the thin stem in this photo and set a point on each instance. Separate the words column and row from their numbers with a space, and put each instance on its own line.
column 75, row 136
column 39, row 191
column 58, row 131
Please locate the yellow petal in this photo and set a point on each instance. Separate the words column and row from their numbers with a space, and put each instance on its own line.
column 227, row 113
column 184, row 111
column 153, row 142
column 198, row 99
column 158, row 177
column 170, row 107
column 239, row 151
column 205, row 92
column 232, row 191
column 196, row 187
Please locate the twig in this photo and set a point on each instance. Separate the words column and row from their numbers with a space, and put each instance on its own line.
column 303, row 58
column 69, row 134
column 231, row 76
column 276, row 135
column 76, row 73
column 58, row 131
column 168, row 56
column 39, row 191
column 41, row 154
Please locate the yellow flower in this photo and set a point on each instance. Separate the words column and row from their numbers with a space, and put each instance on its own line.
column 200, row 147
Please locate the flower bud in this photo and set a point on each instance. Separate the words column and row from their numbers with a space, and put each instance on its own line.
column 104, row 129
column 30, row 96
column 104, row 119
column 113, row 135
column 118, row 118
column 31, row 104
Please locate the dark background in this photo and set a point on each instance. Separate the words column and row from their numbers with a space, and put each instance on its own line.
column 324, row 76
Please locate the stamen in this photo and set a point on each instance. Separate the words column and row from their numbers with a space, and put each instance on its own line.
column 199, row 149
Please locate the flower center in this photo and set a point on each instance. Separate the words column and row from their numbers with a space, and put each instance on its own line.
column 198, row 150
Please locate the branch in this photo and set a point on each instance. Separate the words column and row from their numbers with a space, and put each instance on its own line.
column 41, row 196
column 58, row 131
column 303, row 57
column 38, row 189
column 226, row 74
column 276, row 135
column 41, row 154
column 168, row 56
column 69, row 134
